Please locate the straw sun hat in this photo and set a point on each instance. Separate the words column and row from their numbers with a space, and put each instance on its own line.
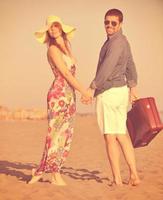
column 41, row 35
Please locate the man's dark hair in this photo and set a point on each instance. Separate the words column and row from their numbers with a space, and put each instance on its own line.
column 115, row 12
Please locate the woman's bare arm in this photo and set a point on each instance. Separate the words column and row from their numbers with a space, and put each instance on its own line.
column 56, row 58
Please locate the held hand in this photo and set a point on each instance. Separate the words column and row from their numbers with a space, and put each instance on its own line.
column 87, row 97
column 85, row 100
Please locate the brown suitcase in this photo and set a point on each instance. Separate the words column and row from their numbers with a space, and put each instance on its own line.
column 143, row 122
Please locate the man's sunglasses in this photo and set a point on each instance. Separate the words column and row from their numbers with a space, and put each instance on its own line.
column 113, row 23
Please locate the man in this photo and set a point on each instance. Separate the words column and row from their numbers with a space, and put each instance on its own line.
column 115, row 81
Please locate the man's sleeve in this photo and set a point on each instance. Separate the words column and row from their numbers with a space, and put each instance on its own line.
column 106, row 68
column 131, row 73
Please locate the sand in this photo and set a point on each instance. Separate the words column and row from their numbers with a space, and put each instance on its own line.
column 86, row 171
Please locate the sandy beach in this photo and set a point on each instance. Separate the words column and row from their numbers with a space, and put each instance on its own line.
column 86, row 171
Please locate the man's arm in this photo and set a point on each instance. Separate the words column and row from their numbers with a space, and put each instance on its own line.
column 106, row 68
column 131, row 76
column 131, row 73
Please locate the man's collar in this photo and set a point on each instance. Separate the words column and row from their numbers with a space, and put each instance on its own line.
column 115, row 34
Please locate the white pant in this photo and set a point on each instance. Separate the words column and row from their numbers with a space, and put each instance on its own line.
column 111, row 110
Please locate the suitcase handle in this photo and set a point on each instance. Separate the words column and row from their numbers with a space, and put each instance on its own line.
column 133, row 103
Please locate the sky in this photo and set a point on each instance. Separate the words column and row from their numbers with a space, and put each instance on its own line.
column 25, row 75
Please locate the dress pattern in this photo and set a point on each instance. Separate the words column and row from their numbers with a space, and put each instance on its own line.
column 61, row 108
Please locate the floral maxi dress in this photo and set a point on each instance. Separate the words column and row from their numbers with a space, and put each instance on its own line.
column 61, row 111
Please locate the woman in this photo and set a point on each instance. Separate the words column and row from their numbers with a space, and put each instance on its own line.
column 60, row 98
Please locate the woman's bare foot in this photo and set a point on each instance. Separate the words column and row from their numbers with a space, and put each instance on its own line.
column 34, row 178
column 57, row 179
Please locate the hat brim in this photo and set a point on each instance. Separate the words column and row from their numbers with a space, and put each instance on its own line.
column 41, row 35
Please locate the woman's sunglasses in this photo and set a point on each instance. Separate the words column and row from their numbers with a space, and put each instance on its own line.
column 113, row 23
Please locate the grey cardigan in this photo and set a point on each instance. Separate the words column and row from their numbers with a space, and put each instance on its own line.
column 115, row 67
